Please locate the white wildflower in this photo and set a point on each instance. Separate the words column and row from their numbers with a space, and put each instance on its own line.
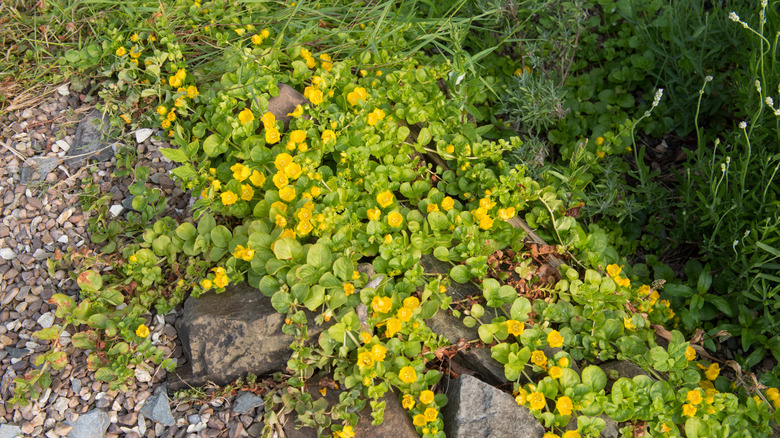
column 742, row 125
column 734, row 17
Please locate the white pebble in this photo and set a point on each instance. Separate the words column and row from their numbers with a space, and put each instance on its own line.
column 46, row 320
column 7, row 253
column 142, row 134
column 116, row 210
column 63, row 90
column 142, row 375
column 63, row 239
column 63, row 145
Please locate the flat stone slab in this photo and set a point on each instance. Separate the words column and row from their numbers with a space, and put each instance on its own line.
column 229, row 335
column 93, row 424
column 90, row 142
column 478, row 410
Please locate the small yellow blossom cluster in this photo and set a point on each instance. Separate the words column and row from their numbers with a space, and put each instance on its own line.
column 613, row 271
column 168, row 115
column 482, row 215
column 313, row 92
column 774, row 396
column 346, row 432
column 258, row 38
column 356, row 95
column 219, row 279
column 242, row 253
column 375, row 116
column 135, row 51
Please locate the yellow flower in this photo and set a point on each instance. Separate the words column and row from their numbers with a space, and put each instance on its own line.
column 315, row 191
column 538, row 358
column 205, row 284
column 506, row 213
column 328, row 135
column 408, row 402
column 257, row 39
column 121, row 51
column 690, row 353
column 161, row 110
column 563, row 362
column 426, row 397
column 357, row 95
column 248, row 255
column 272, row 135
column 280, row 179
column 628, row 324
column 419, row 420
column 297, row 112
column 293, row 171
column 126, row 118
column 265, row 33
column 643, row 290
column 689, row 410
column 407, row 375
column 384, row 199
column 245, row 116
column 447, row 203
column 280, row 221
column 257, row 178
column 694, row 396
column 431, row 414
column 564, row 405
column 240, row 172
column 312, row 93
column 349, row 289
column 279, row 206
column 221, row 280
column 142, row 331
column 365, row 337
column 132, row 258
column 555, row 372
column 171, row 116
column 346, row 432
column 404, row 314
column 712, row 371
column 217, row 184
column 388, row 239
column 378, row 352
column 229, row 198
column 432, row 207
column 550, row 435
column 303, row 228
column 571, row 434
column 411, row 303
column 395, row 219
column 537, row 400
column 247, row 192
column 192, row 91
column 382, row 304
column 239, row 252
column 287, row 194
column 599, row 141
column 554, row 339
column 625, row 282
column 375, row 116
column 772, row 394
column 613, row 270
column 522, row 397
column 485, row 222
column 515, row 328
column 365, row 360
column 450, row 149
column 374, row 214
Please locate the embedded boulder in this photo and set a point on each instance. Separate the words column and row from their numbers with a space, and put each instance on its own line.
column 478, row 410
column 285, row 102
column 229, row 335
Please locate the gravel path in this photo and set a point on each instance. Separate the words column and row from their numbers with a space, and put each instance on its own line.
column 41, row 214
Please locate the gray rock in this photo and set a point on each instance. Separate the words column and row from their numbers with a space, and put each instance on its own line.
column 285, row 102
column 478, row 410
column 90, row 141
column 93, row 424
column 10, row 431
column 246, row 401
column 17, row 353
column 158, row 409
column 229, row 335
column 40, row 165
